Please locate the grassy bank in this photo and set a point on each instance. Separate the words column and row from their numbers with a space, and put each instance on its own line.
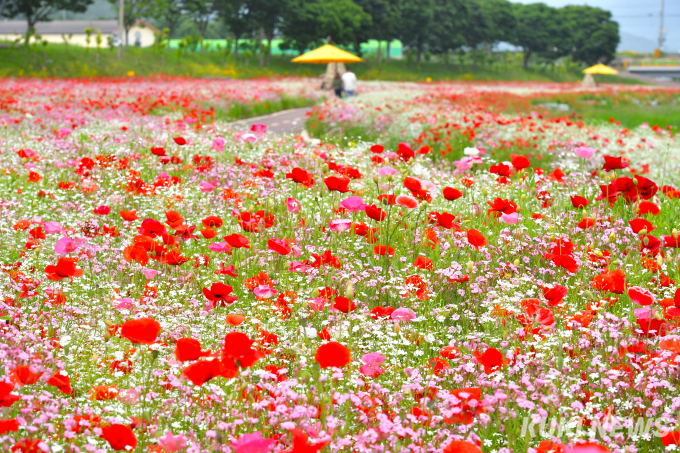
column 59, row 60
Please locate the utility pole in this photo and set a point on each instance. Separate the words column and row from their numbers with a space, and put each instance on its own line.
column 662, row 32
column 121, row 28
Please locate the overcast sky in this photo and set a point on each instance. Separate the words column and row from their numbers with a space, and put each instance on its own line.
column 636, row 17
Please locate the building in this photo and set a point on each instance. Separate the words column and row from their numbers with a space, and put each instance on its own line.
column 72, row 32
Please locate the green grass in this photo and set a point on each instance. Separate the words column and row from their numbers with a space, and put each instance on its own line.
column 59, row 60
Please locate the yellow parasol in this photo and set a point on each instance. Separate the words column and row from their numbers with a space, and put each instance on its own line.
column 327, row 54
column 600, row 69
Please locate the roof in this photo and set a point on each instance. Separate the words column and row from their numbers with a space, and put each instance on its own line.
column 59, row 27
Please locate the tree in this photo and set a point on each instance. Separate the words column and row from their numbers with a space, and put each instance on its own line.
column 449, row 29
column 266, row 16
column 40, row 10
column 237, row 15
column 416, row 21
column 134, row 10
column 538, row 30
column 168, row 13
column 201, row 12
column 385, row 16
column 502, row 19
column 306, row 22
column 594, row 35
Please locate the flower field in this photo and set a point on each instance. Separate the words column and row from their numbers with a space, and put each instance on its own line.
column 460, row 279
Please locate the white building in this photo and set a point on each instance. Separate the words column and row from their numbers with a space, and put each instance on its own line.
column 141, row 34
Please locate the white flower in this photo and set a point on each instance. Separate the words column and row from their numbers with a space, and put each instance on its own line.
column 471, row 152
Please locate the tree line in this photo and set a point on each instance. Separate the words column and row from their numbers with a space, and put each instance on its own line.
column 426, row 27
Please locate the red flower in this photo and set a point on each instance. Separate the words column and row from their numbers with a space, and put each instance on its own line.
column 614, row 281
column 129, row 216
column 61, row 381
column 218, row 294
column 461, row 446
column 639, row 224
column 500, row 206
column 614, row 163
column 332, row 355
column 449, row 352
column 520, row 162
column 641, row 296
column 672, row 438
column 24, row 376
column 381, row 312
column 189, row 349
column 237, row 346
column 6, row 397
column 141, row 331
column 300, row 444
column 28, row 446
column 279, row 246
column 470, row 405
column 180, row 141
column 301, row 176
column 423, row 263
column 344, row 305
column 158, row 151
column 579, row 202
column 405, row 153
column 501, row 169
column 119, row 437
column 8, row 425
column 554, row 294
column 375, row 213
column 152, row 228
column 66, row 267
column 201, row 372
column 412, row 184
column 648, row 207
column 337, row 183
column 383, row 250
column 452, row 194
column 491, row 360
column 212, row 222
column 476, row 238
column 237, row 240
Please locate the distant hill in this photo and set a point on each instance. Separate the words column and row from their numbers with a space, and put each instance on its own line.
column 635, row 43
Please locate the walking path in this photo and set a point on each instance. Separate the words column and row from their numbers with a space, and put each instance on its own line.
column 283, row 122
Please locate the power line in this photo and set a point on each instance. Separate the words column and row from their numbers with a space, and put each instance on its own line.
column 646, row 16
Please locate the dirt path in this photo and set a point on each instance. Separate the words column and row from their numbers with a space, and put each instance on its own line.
column 284, row 122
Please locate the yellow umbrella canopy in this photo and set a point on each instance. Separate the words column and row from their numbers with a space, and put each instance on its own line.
column 327, row 54
column 600, row 69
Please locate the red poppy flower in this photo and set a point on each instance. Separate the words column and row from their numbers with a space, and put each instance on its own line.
column 423, row 263
column 141, row 331
column 189, row 349
column 500, row 206
column 449, row 352
column 375, row 213
column 648, row 207
column 586, row 223
column 405, row 153
column 102, row 210
column 158, row 151
column 279, row 246
column 301, row 176
column 332, row 355
column 174, row 258
column 218, row 294
column 66, row 267
column 203, row 371
column 406, row 201
column 237, row 240
column 381, row 312
column 344, row 305
column 180, row 141
column 129, row 216
column 337, row 183
column 412, row 184
column 6, row 397
column 579, row 202
column 614, row 163
column 614, row 281
column 120, row 437
column 641, row 296
column 301, row 445
column 237, row 346
column 461, row 446
column 672, row 438
column 383, row 250
column 520, row 162
column 555, row 294
column 452, row 194
column 491, row 360
column 152, row 228
column 212, row 222
column 377, row 149
column 641, row 224
column 235, row 320
column 470, row 405
column 24, row 376
column 476, row 238
column 8, row 425
column 61, row 381
column 29, row 446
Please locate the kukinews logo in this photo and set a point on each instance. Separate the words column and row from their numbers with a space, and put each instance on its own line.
column 611, row 426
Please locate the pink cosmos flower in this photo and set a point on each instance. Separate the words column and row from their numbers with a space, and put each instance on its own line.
column 253, row 443
column 218, row 144
column 205, row 186
column 371, row 366
column 293, row 205
column 403, row 314
column 265, row 291
column 353, row 204
column 510, row 219
column 172, row 443
column 584, row 152
column 341, row 225
column 641, row 296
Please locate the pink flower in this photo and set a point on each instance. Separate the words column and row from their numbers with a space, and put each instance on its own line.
column 205, row 186
column 371, row 366
column 172, row 443
column 65, row 245
column 584, row 152
column 150, row 273
column 294, row 206
column 341, row 225
column 296, row 266
column 64, row 132
column 403, row 314
column 53, row 227
column 353, row 204
column 259, row 129
column 125, row 304
column 218, row 144
column 406, row 201
column 102, row 210
column 265, row 291
column 317, row 304
column 510, row 219
column 384, row 171
column 253, row 443
column 640, row 296
column 219, row 246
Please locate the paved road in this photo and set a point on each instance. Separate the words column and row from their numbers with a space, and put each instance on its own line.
column 286, row 121
column 648, row 79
